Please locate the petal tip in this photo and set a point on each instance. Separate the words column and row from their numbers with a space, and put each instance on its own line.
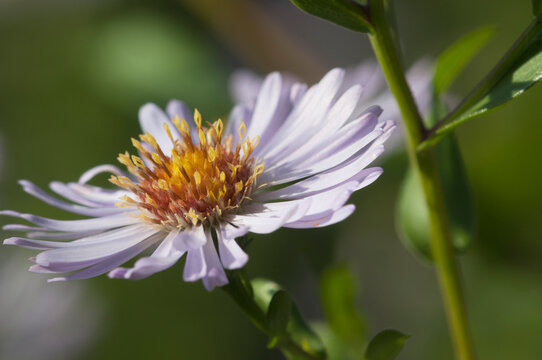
column 10, row 241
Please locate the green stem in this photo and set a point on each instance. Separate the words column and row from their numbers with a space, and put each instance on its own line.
column 444, row 257
column 240, row 290
column 425, row 164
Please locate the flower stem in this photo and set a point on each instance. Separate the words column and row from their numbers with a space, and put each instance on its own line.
column 240, row 290
column 425, row 164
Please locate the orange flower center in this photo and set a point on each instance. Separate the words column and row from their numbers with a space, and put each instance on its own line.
column 196, row 183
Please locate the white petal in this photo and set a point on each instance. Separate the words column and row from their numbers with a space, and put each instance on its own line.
column 35, row 191
column 152, row 120
column 165, row 256
column 187, row 239
column 20, row 227
column 35, row 244
column 328, row 219
column 296, row 92
column 232, row 232
column 244, row 85
column 349, row 140
column 215, row 275
column 87, row 195
column 41, row 270
column 266, row 218
column 203, row 263
column 109, row 263
column 231, row 254
column 106, row 222
column 348, row 171
column 176, row 108
column 65, row 191
column 80, row 237
column 91, row 173
column 369, row 75
column 62, row 235
column 320, row 203
column 90, row 253
column 98, row 194
column 266, row 104
column 306, row 116
column 195, row 267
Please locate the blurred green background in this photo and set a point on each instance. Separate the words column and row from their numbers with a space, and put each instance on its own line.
column 73, row 75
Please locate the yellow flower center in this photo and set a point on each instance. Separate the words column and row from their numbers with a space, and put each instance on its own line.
column 196, row 183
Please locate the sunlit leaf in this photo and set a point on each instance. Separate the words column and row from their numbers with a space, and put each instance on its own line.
column 346, row 13
column 386, row 345
column 524, row 72
column 452, row 61
column 516, row 72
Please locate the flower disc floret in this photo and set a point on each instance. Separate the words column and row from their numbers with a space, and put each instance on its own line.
column 197, row 183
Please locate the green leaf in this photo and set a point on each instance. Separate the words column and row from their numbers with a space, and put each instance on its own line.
column 452, row 61
column 457, row 193
column 537, row 7
column 413, row 217
column 523, row 72
column 517, row 71
column 298, row 330
column 338, row 299
column 278, row 315
column 336, row 349
column 412, row 212
column 346, row 13
column 386, row 345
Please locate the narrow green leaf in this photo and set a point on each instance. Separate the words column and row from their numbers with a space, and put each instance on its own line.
column 517, row 71
column 452, row 61
column 386, row 345
column 346, row 13
column 412, row 212
column 338, row 299
column 521, row 74
column 537, row 7
column 298, row 330
column 278, row 315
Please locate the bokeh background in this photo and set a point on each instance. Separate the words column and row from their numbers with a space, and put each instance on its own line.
column 73, row 75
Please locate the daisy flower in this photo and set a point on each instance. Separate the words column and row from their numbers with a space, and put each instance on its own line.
column 291, row 158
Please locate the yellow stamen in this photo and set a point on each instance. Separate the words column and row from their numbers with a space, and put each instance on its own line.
column 198, row 182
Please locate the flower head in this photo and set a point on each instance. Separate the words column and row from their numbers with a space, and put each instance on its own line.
column 290, row 158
